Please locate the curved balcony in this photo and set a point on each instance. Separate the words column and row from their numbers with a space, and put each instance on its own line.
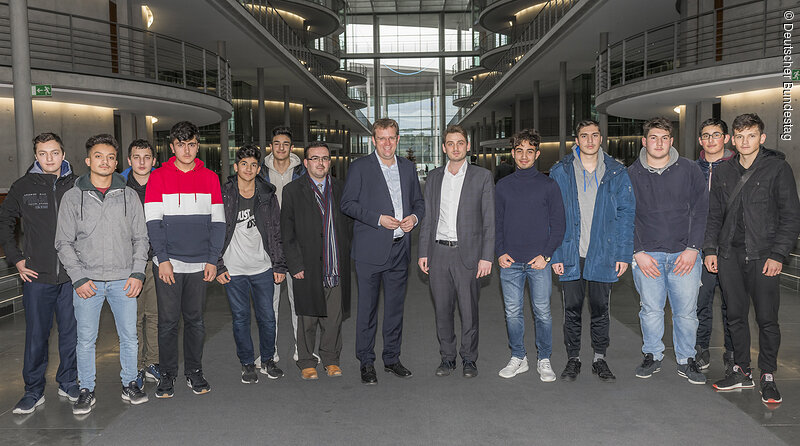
column 321, row 17
column 463, row 97
column 327, row 51
column 356, row 99
column 492, row 46
column 84, row 56
column 467, row 68
column 354, row 73
column 500, row 14
column 680, row 62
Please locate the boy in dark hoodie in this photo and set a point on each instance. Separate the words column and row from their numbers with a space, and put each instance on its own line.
column 753, row 223
column 46, row 288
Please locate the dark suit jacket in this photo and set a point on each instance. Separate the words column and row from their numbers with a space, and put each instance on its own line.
column 366, row 197
column 475, row 219
column 301, row 227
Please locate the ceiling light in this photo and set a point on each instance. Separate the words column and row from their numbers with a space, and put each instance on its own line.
column 677, row 109
column 148, row 16
column 153, row 119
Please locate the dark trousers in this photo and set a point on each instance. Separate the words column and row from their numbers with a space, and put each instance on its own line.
column 451, row 282
column 705, row 311
column 330, row 338
column 393, row 274
column 41, row 300
column 743, row 281
column 574, row 292
column 186, row 297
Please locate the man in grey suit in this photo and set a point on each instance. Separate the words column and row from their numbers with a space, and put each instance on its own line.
column 456, row 247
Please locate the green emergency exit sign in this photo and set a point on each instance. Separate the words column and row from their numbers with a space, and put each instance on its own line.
column 42, row 90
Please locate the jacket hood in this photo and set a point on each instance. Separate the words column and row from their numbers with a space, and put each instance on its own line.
column 84, row 183
column 673, row 158
column 609, row 161
column 294, row 161
column 125, row 173
column 198, row 163
column 770, row 153
column 726, row 155
column 262, row 186
column 66, row 168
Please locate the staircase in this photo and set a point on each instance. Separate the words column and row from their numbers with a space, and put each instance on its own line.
column 790, row 275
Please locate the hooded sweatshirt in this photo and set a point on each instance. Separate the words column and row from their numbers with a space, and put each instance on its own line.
column 279, row 180
column 101, row 236
column 708, row 167
column 185, row 217
column 35, row 199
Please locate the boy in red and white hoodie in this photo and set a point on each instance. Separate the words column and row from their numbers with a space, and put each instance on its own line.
column 186, row 226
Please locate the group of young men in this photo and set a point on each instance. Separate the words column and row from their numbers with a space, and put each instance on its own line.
column 161, row 235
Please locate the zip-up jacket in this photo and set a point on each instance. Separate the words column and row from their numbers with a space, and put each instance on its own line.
column 611, row 239
column 35, row 198
column 709, row 167
column 771, row 208
column 185, row 217
column 140, row 191
column 671, row 205
column 267, row 216
column 101, row 236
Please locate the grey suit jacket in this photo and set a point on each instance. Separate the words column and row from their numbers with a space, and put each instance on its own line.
column 475, row 220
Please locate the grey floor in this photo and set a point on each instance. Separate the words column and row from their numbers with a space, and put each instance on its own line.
column 425, row 409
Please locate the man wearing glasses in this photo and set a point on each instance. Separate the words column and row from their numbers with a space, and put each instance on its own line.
column 713, row 138
column 316, row 239
column 382, row 194
column 281, row 167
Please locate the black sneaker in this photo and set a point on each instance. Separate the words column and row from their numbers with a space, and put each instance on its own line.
column 28, row 403
column 769, row 391
column 271, row 369
column 140, row 379
column 702, row 358
column 85, row 402
column 572, row 369
column 691, row 371
column 648, row 366
column 166, row 386
column 470, row 369
column 197, row 382
column 134, row 394
column 249, row 375
column 727, row 359
column 600, row 368
column 445, row 368
column 738, row 379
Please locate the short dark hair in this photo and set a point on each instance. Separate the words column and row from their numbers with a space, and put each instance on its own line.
column 385, row 123
column 103, row 138
column 657, row 123
column 282, row 130
column 585, row 123
column 315, row 144
column 183, row 131
column 530, row 135
column 713, row 122
column 47, row 137
column 455, row 129
column 248, row 150
column 141, row 144
column 746, row 121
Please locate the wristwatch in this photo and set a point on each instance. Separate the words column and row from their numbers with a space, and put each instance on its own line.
column 547, row 259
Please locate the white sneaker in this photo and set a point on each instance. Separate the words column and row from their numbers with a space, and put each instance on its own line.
column 545, row 370
column 515, row 367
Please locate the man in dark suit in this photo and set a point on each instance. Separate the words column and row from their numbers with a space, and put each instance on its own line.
column 320, row 265
column 456, row 247
column 382, row 194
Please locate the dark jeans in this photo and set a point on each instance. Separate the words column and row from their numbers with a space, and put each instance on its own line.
column 574, row 292
column 743, row 281
column 186, row 297
column 239, row 290
column 41, row 300
column 705, row 311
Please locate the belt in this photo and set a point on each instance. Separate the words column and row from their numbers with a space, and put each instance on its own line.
column 397, row 239
column 447, row 243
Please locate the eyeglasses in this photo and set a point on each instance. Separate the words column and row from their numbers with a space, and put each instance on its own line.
column 715, row 135
column 324, row 159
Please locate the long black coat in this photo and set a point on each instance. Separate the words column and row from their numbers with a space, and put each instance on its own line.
column 301, row 227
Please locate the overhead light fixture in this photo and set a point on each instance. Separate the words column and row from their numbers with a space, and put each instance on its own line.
column 677, row 109
column 153, row 119
column 148, row 16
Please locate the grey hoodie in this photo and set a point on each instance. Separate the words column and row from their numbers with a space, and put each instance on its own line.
column 99, row 236
column 276, row 178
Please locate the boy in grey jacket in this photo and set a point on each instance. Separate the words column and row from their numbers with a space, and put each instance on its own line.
column 101, row 239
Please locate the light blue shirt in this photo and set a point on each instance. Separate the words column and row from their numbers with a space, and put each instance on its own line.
column 392, row 176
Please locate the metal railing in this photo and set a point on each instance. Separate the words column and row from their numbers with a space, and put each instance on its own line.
column 347, row 65
column 357, row 94
column 493, row 41
column 326, row 44
column 77, row 44
column 462, row 91
column 466, row 63
column 739, row 33
column 523, row 40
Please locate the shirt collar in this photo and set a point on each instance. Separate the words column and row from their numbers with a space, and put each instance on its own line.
column 461, row 171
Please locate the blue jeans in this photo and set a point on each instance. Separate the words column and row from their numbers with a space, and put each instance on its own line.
column 682, row 292
column 239, row 290
column 87, row 314
column 540, row 285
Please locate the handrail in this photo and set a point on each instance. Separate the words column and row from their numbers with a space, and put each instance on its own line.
column 733, row 34
column 326, row 44
column 347, row 65
column 77, row 44
column 357, row 94
column 466, row 63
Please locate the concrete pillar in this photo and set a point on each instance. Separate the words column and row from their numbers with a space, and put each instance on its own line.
column 517, row 112
column 262, row 112
column 493, row 129
column 562, row 109
column 305, row 123
column 286, row 119
column 705, row 110
column 127, row 133
column 602, row 118
column 21, row 75
column 536, row 103
column 376, row 95
column 687, row 143
column 224, row 149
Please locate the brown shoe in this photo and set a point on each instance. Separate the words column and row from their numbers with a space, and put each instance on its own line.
column 333, row 370
column 309, row 373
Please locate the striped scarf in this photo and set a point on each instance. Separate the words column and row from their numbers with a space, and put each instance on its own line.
column 330, row 259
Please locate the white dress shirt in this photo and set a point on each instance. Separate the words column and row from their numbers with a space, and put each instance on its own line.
column 450, row 197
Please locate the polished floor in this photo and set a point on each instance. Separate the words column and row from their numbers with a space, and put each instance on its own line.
column 425, row 409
